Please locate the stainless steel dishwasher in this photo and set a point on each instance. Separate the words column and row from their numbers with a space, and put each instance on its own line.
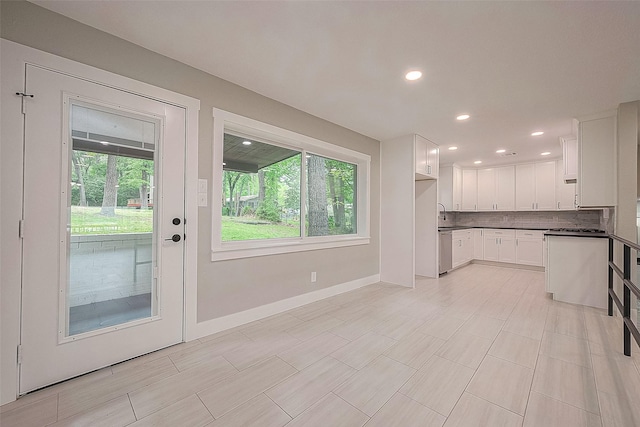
column 445, row 251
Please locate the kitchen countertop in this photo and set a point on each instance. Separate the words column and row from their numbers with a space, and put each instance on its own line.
column 548, row 232
column 599, row 234
column 468, row 227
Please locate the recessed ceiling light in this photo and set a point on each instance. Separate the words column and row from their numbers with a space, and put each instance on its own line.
column 546, row 153
column 500, row 151
column 477, row 162
column 463, row 117
column 538, row 133
column 453, row 148
column 104, row 143
column 246, row 142
column 413, row 75
column 224, row 164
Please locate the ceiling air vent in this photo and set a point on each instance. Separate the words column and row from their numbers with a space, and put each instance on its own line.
column 508, row 154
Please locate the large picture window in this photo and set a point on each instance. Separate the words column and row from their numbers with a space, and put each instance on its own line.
column 331, row 187
column 261, row 187
column 276, row 191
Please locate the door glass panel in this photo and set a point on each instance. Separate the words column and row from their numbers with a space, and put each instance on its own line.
column 110, row 237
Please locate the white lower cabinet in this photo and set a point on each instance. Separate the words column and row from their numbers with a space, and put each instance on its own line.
column 500, row 245
column 462, row 247
column 478, row 246
column 530, row 247
column 524, row 247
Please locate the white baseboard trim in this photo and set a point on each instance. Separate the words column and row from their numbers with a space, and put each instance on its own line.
column 213, row 326
column 506, row 264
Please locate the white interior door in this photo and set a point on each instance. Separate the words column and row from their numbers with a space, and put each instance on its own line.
column 103, row 227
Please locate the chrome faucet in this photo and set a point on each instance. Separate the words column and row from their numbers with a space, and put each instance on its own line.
column 444, row 212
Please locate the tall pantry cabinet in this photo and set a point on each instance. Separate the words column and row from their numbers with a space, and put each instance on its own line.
column 409, row 213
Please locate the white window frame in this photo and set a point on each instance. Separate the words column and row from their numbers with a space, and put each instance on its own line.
column 224, row 120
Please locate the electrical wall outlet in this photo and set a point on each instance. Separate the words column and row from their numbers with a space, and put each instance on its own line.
column 313, row 277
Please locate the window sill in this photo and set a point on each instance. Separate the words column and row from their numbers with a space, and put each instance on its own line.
column 242, row 250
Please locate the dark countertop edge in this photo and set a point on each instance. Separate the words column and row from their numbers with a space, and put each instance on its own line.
column 577, row 234
column 463, row 227
column 598, row 235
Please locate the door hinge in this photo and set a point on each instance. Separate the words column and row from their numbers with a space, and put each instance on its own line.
column 19, row 354
column 24, row 104
column 21, row 229
column 155, row 272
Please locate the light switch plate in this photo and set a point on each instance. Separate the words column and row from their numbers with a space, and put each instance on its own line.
column 202, row 199
column 202, row 185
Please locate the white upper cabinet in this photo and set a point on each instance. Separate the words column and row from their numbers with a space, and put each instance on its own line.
column 457, row 189
column 525, row 187
column 565, row 193
column 427, row 158
column 496, row 189
column 569, row 158
column 486, row 189
column 469, row 190
column 450, row 187
column 546, row 186
column 505, row 188
column 536, row 186
column 596, row 161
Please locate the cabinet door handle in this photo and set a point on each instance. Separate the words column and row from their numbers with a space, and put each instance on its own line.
column 558, row 205
column 429, row 169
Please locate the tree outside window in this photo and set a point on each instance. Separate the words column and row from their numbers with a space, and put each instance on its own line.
column 262, row 192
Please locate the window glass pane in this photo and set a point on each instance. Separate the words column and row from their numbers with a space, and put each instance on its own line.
column 331, row 194
column 261, row 188
column 111, row 220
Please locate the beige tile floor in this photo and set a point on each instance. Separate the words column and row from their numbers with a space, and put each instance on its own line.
column 481, row 346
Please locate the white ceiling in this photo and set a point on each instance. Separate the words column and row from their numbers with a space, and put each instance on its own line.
column 515, row 67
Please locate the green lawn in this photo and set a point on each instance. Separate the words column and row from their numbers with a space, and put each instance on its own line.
column 87, row 220
column 246, row 228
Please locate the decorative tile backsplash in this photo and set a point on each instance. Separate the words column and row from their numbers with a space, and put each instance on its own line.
column 537, row 220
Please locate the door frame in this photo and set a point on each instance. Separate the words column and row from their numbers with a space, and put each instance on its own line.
column 13, row 63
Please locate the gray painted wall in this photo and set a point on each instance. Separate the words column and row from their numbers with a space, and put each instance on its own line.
column 224, row 287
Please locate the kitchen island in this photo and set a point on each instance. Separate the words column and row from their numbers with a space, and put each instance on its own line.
column 576, row 270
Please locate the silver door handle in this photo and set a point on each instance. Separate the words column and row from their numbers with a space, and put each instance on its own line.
column 558, row 205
